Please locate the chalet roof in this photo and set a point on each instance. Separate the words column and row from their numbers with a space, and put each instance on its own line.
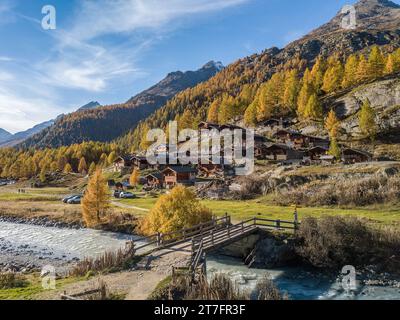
column 317, row 148
column 157, row 175
column 279, row 146
column 181, row 169
column 126, row 157
column 327, row 157
column 362, row 152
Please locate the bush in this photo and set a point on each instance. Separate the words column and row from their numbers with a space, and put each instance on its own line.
column 219, row 288
column 10, row 280
column 108, row 262
column 173, row 212
column 365, row 191
column 267, row 291
column 333, row 242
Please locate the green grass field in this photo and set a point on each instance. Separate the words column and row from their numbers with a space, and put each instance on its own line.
column 242, row 210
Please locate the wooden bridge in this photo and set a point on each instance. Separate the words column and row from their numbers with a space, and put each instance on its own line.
column 210, row 236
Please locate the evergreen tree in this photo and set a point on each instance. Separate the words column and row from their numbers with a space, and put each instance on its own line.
column 96, row 200
column 367, row 121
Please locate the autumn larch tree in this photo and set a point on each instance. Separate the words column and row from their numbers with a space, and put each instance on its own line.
column 376, row 63
column 334, row 149
column 67, row 168
column 350, row 71
column 134, row 178
column 82, row 168
column 176, row 211
column 313, row 108
column 92, row 168
column 367, row 120
column 95, row 202
column 332, row 124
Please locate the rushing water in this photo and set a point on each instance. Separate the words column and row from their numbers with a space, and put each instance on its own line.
column 39, row 244
column 298, row 283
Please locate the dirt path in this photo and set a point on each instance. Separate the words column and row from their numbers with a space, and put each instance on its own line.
column 127, row 206
column 136, row 284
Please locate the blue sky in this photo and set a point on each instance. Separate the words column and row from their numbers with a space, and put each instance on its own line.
column 109, row 50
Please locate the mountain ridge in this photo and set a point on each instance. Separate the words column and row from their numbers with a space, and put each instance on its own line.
column 105, row 123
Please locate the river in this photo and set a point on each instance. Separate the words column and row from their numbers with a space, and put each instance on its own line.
column 299, row 284
column 31, row 245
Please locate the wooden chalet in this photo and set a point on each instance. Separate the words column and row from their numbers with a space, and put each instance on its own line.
column 315, row 153
column 274, row 124
column 299, row 140
column 350, row 155
column 179, row 175
column 283, row 153
column 123, row 164
column 155, row 180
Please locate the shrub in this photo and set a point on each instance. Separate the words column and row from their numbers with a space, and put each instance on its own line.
column 176, row 211
column 219, row 288
column 108, row 262
column 9, row 280
column 333, row 242
column 356, row 192
column 267, row 291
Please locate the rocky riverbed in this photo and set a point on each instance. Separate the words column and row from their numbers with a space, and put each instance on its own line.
column 30, row 246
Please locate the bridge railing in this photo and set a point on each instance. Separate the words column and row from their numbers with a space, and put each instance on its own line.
column 160, row 240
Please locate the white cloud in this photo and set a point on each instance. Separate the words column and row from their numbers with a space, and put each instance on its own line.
column 120, row 16
column 81, row 64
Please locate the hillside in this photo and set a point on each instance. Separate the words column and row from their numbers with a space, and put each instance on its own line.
column 106, row 123
column 4, row 135
column 377, row 25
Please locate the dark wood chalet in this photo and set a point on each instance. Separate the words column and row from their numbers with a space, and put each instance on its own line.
column 123, row 164
column 273, row 124
column 350, row 155
column 283, row 153
column 315, row 153
column 179, row 175
column 299, row 140
column 154, row 180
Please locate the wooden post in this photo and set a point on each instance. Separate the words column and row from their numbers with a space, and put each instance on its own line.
column 242, row 226
column 193, row 245
column 255, row 221
column 229, row 230
column 212, row 237
column 158, row 239
column 278, row 224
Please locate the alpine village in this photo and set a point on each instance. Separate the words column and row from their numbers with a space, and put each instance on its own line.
column 78, row 192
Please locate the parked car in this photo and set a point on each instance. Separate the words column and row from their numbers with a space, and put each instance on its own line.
column 117, row 194
column 127, row 195
column 75, row 200
column 65, row 200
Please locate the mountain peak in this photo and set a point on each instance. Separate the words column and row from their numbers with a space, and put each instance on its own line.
column 90, row 105
column 370, row 15
column 214, row 64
